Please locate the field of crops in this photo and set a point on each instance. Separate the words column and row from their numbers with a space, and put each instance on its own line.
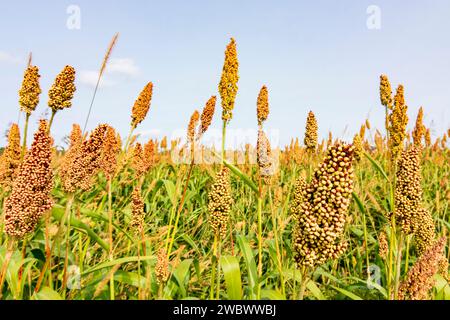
column 111, row 218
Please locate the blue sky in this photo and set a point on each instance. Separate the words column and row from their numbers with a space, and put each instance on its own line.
column 312, row 55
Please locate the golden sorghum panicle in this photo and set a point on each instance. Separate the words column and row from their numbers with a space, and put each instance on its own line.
column 142, row 105
column 398, row 121
column 84, row 162
column 420, row 279
column 164, row 143
column 228, row 81
column 322, row 215
column 419, row 130
column 219, row 202
column 30, row 196
column 264, row 156
column 428, row 138
column 385, row 92
column 30, row 90
column 62, row 90
column 137, row 162
column 162, row 266
column 383, row 245
column 137, row 212
column 10, row 159
column 76, row 135
column 206, row 117
column 409, row 213
column 311, row 132
column 262, row 105
column 368, row 124
column 357, row 143
column 149, row 154
column 193, row 122
column 110, row 151
column 362, row 132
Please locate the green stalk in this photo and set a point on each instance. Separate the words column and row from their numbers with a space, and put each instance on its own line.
column 213, row 267
column 277, row 245
column 110, row 233
column 129, row 137
column 398, row 267
column 4, row 269
column 224, row 131
column 51, row 120
column 25, row 132
column 259, row 208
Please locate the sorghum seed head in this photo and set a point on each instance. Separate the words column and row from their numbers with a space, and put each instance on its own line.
column 357, row 143
column 137, row 162
column 321, row 216
column 428, row 138
column 420, row 278
column 262, row 105
column 10, row 158
column 83, row 161
column 264, row 156
column 76, row 135
column 383, row 245
column 207, row 116
column 111, row 148
column 311, row 132
column 162, row 266
column 149, row 154
column 398, row 121
column 137, row 212
column 219, row 202
column 62, row 90
column 30, row 90
column 30, row 195
column 193, row 122
column 228, row 81
column 142, row 105
column 385, row 92
column 419, row 130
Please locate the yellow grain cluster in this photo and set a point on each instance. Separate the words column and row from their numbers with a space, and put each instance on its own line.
column 419, row 130
column 142, row 105
column 219, row 202
column 310, row 140
column 262, row 105
column 385, row 92
column 264, row 156
column 30, row 90
column 398, row 121
column 228, row 81
column 409, row 213
column 10, row 158
column 61, row 93
column 322, row 214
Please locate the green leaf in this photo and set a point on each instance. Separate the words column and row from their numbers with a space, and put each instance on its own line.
column 347, row 293
column 250, row 263
column 271, row 295
column 232, row 274
column 131, row 278
column 58, row 213
column 171, row 191
column 181, row 273
column 377, row 166
column 240, row 175
column 46, row 293
column 112, row 263
column 314, row 289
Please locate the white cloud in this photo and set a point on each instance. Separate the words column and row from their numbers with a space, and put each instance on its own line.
column 116, row 67
column 125, row 66
column 8, row 58
column 89, row 78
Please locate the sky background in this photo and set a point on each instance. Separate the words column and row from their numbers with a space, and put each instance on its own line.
column 312, row 55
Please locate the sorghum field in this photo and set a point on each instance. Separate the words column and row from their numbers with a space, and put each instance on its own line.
column 111, row 218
